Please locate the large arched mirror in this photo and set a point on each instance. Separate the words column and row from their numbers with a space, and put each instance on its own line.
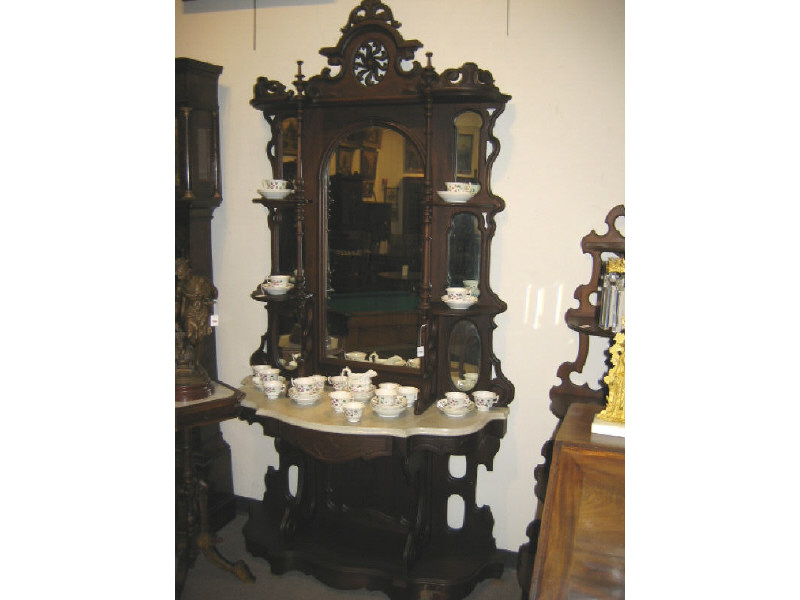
column 374, row 247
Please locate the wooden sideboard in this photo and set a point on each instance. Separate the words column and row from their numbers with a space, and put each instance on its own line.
column 581, row 549
column 370, row 503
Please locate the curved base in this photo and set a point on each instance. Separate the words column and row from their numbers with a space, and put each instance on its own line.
column 353, row 563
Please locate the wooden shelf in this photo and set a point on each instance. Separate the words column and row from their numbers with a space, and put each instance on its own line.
column 587, row 325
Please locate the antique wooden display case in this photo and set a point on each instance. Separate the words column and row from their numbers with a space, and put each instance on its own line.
column 366, row 145
column 584, row 319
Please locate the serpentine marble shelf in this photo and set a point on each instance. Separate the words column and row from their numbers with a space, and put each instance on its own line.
column 321, row 417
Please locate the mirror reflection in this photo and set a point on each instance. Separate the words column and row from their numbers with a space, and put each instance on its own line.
column 374, row 248
column 464, row 354
column 468, row 129
column 288, row 350
column 289, row 148
column 464, row 251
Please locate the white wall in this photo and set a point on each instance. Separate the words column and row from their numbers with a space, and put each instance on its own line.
column 560, row 169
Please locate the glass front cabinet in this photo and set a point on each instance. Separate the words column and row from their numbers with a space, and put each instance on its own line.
column 385, row 230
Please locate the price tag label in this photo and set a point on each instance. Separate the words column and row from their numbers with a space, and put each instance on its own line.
column 213, row 320
column 420, row 351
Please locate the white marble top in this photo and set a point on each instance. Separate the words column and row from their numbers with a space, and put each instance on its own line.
column 321, row 417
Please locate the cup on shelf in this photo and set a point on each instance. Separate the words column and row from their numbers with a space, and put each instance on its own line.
column 456, row 399
column 274, row 388
column 338, row 382
column 353, row 411
column 386, row 396
column 304, row 385
column 457, row 293
column 319, row 380
column 410, row 393
column 462, row 186
column 279, row 280
column 339, row 398
column 275, row 184
column 355, row 355
column 484, row 399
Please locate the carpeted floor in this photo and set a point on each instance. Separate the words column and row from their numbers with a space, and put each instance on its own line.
column 207, row 582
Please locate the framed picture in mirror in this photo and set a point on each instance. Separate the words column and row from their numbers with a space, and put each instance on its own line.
column 412, row 162
column 464, row 154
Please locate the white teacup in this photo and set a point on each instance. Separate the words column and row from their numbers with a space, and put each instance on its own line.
column 355, row 355
column 353, row 411
column 339, row 398
column 388, row 385
column 274, row 388
column 470, row 283
column 257, row 382
column 457, row 293
column 338, row 382
column 319, row 380
column 456, row 399
column 259, row 369
column 270, row 374
column 410, row 393
column 484, row 400
column 359, row 385
column 279, row 280
column 462, row 186
column 386, row 396
column 304, row 385
column 275, row 184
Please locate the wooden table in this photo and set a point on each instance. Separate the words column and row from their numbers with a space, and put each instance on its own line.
column 192, row 532
column 581, row 549
column 369, row 504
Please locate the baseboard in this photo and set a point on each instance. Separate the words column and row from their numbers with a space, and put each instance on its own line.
column 244, row 504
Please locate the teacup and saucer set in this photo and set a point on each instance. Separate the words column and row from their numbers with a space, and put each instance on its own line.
column 458, row 192
column 455, row 404
column 306, row 390
column 388, row 402
column 274, row 189
column 277, row 285
column 459, row 298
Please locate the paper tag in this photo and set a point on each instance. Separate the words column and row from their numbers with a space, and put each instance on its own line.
column 420, row 351
column 213, row 320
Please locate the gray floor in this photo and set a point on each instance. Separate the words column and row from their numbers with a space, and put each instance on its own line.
column 207, row 582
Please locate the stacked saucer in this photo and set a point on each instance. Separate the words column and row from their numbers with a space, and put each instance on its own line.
column 451, row 410
column 390, row 410
column 304, row 398
column 459, row 303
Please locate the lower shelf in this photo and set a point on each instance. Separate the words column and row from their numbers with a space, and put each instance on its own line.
column 348, row 557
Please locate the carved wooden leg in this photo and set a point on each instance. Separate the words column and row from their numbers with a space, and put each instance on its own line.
column 207, row 542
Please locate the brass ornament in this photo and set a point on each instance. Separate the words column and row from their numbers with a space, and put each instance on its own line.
column 194, row 301
column 614, row 411
column 615, row 265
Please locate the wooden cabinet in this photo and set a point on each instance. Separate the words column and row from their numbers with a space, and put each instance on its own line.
column 367, row 505
column 581, row 551
column 371, row 248
column 197, row 195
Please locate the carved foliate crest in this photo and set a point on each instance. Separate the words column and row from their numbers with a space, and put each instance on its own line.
column 370, row 10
